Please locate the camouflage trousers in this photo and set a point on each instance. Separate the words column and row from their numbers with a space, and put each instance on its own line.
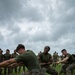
column 63, row 69
column 50, row 70
column 41, row 71
column 70, row 68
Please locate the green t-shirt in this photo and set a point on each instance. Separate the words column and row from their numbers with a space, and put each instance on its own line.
column 45, row 58
column 29, row 59
column 1, row 57
column 7, row 56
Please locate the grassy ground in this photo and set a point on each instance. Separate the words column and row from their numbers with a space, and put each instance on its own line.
column 58, row 67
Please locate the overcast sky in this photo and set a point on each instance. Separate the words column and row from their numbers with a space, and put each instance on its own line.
column 36, row 23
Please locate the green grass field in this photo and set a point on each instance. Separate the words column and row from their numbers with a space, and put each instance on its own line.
column 58, row 67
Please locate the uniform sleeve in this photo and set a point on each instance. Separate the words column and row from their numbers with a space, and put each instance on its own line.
column 19, row 58
column 68, row 55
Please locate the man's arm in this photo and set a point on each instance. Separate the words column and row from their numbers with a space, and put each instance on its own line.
column 7, row 62
column 62, row 61
column 16, row 64
column 50, row 60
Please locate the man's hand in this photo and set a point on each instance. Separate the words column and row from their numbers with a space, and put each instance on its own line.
column 63, row 61
column 7, row 62
column 45, row 63
column 49, row 62
column 13, row 65
column 58, row 62
column 42, row 63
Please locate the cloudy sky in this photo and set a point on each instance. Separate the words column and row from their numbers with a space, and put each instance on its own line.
column 36, row 23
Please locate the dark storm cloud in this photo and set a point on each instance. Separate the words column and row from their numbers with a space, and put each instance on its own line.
column 20, row 37
column 32, row 14
column 40, row 36
column 13, row 28
column 62, row 12
column 37, row 23
column 11, row 10
column 60, row 31
column 61, row 15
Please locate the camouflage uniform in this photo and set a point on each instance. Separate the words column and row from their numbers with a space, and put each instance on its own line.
column 13, row 56
column 45, row 58
column 1, row 59
column 64, row 66
column 55, row 59
column 29, row 59
column 7, row 56
column 71, row 66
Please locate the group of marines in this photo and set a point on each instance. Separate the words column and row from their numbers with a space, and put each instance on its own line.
column 9, row 69
column 36, row 65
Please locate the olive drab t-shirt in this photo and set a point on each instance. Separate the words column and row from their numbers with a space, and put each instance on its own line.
column 7, row 56
column 29, row 59
column 1, row 57
column 45, row 58
column 71, row 59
